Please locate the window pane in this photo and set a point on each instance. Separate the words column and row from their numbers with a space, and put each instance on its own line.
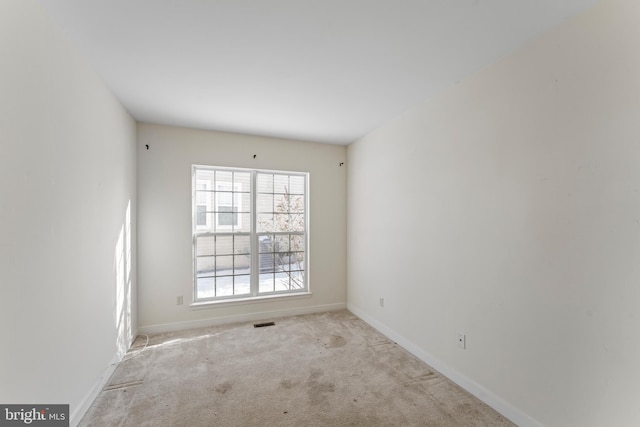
column 296, row 204
column 281, row 203
column 204, row 194
column 281, row 243
column 282, row 261
column 224, row 245
column 297, row 260
column 242, row 181
column 224, row 177
column 201, row 217
column 296, row 280
column 281, row 184
column 204, row 197
column 205, row 174
column 265, row 222
column 281, row 222
column 265, row 203
column 297, row 242
column 265, row 183
column 267, row 263
column 225, row 198
column 209, row 218
column 205, row 245
column 242, row 285
column 224, row 286
column 227, row 216
column 237, row 201
column 241, row 264
column 296, row 222
column 224, row 265
column 266, row 243
column 282, row 282
column 296, row 184
column 244, row 202
column 244, row 223
column 205, row 287
column 205, row 265
column 242, row 245
column 267, row 283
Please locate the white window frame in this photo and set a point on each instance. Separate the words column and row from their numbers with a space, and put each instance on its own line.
column 254, row 233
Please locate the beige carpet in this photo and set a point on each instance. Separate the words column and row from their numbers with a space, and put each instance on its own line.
column 328, row 369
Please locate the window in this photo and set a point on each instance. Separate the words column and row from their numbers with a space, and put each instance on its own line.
column 249, row 233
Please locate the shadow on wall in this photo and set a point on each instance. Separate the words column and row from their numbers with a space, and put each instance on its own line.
column 123, row 285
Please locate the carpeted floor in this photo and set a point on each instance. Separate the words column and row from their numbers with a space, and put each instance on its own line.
column 328, row 369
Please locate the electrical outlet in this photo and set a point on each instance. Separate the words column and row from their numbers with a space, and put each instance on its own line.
column 381, row 302
column 462, row 340
column 179, row 300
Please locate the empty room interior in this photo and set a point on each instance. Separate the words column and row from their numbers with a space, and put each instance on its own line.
column 458, row 180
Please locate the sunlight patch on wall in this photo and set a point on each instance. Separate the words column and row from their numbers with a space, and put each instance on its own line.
column 123, row 285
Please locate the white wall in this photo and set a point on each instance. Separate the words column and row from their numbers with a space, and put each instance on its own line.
column 164, row 236
column 67, row 176
column 508, row 208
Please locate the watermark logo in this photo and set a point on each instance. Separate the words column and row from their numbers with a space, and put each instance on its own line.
column 34, row 415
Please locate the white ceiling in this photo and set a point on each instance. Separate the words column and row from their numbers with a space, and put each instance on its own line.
column 320, row 70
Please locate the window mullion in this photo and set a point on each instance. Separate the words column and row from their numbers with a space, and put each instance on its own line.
column 255, row 267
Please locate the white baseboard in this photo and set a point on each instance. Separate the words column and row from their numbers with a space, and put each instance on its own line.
column 506, row 409
column 78, row 412
column 193, row 324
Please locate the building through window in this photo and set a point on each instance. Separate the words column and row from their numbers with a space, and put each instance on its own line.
column 250, row 233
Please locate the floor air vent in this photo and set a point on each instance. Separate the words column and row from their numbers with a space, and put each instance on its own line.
column 262, row 325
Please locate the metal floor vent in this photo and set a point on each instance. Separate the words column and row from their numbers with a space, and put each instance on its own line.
column 262, row 325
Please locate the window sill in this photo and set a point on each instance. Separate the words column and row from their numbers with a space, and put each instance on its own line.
column 249, row 300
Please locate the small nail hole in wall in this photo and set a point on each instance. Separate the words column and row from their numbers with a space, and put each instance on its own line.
column 254, row 156
column 341, row 163
column 147, row 145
